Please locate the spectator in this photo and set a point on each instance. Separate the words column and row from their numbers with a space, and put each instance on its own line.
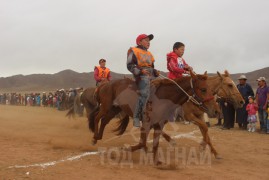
column 44, row 99
column 220, row 115
column 245, row 90
column 262, row 97
column 38, row 99
column 252, row 110
column 228, row 114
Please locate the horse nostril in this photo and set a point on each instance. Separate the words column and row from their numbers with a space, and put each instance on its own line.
column 242, row 102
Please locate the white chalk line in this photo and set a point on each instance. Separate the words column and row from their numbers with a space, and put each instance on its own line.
column 52, row 163
column 189, row 135
column 77, row 157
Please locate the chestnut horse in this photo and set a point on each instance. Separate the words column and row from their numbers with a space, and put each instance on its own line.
column 121, row 95
column 224, row 87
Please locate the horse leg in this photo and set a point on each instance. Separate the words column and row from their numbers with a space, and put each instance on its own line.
column 156, row 138
column 204, row 131
column 96, row 124
column 143, row 140
column 106, row 119
column 171, row 141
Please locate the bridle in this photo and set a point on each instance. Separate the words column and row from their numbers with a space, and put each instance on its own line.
column 223, row 90
column 194, row 98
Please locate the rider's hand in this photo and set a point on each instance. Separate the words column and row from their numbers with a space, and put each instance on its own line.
column 189, row 68
column 144, row 72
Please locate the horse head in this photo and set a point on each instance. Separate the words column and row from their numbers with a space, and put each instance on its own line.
column 202, row 93
column 228, row 90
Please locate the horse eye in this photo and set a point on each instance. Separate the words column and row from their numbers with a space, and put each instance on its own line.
column 230, row 85
column 203, row 90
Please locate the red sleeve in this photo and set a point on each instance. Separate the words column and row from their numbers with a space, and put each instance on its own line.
column 174, row 66
column 256, row 107
column 247, row 108
column 109, row 76
column 96, row 72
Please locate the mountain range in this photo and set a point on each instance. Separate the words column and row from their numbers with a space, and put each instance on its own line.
column 70, row 79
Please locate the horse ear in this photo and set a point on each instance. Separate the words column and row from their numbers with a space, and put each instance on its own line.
column 219, row 75
column 205, row 73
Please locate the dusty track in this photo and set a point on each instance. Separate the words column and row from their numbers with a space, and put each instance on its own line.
column 30, row 136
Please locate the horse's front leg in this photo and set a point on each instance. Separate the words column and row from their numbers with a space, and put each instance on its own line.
column 156, row 139
column 143, row 140
column 198, row 120
column 96, row 126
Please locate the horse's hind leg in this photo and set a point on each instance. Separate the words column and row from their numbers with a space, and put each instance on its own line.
column 171, row 141
column 156, row 138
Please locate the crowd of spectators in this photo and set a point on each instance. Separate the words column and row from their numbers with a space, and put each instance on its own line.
column 61, row 99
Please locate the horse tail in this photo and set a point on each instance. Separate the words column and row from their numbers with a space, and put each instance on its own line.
column 122, row 125
column 71, row 112
column 91, row 117
column 73, row 102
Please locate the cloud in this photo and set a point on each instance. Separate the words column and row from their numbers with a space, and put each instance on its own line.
column 50, row 36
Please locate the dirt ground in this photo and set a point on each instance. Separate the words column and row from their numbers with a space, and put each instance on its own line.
column 41, row 143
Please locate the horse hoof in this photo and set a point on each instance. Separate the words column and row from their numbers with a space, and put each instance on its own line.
column 173, row 143
column 202, row 148
column 94, row 141
column 126, row 147
column 158, row 163
column 218, row 157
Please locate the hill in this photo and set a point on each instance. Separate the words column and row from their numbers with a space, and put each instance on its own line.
column 68, row 78
column 49, row 82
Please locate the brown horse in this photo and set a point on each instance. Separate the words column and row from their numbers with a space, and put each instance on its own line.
column 224, row 87
column 87, row 98
column 121, row 95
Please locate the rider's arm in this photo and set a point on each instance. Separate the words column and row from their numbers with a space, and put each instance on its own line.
column 186, row 66
column 173, row 66
column 132, row 63
column 96, row 72
column 109, row 76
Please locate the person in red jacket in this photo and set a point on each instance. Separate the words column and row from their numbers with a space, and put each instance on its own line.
column 176, row 65
column 101, row 73
column 252, row 109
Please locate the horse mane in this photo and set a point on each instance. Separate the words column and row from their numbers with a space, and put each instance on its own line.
column 202, row 76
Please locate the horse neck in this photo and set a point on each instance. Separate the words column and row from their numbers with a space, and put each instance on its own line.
column 214, row 83
column 173, row 92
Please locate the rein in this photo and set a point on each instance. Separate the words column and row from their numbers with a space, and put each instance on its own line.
column 194, row 98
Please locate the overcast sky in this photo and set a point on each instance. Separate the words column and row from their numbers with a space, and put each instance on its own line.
column 48, row 36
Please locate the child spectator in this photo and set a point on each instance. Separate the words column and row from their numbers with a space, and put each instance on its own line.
column 252, row 108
